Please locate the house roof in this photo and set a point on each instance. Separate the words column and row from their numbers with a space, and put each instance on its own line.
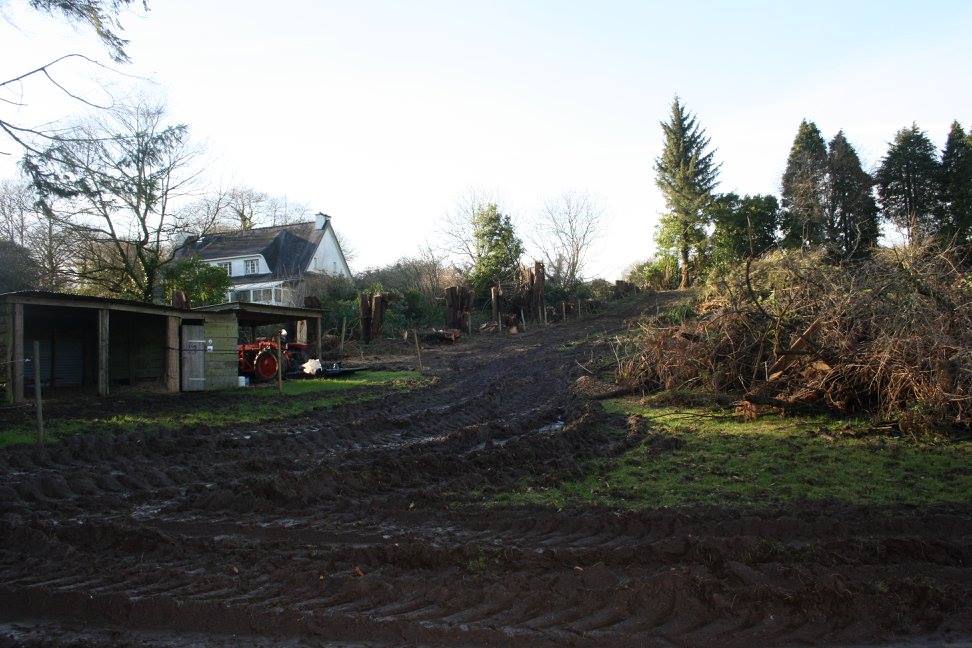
column 287, row 249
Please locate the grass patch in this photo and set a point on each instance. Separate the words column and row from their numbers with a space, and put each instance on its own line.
column 215, row 409
column 698, row 455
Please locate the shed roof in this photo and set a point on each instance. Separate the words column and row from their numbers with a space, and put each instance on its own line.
column 50, row 298
column 248, row 313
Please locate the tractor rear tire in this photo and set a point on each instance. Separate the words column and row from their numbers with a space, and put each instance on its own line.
column 265, row 366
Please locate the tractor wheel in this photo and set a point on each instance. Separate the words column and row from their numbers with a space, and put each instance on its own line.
column 265, row 366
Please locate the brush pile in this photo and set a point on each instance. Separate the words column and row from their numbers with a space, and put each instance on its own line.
column 890, row 336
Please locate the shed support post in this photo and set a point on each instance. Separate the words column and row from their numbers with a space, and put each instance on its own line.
column 15, row 349
column 104, row 370
column 317, row 336
column 172, row 354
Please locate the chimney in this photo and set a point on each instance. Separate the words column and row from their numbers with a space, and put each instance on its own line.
column 321, row 219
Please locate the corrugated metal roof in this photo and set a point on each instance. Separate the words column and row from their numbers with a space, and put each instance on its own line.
column 93, row 300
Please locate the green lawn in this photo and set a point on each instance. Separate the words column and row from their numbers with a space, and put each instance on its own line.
column 697, row 455
column 229, row 407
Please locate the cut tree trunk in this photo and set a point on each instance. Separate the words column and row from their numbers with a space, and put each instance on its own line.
column 364, row 310
column 458, row 311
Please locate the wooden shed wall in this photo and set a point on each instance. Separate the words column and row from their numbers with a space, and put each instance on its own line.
column 221, row 363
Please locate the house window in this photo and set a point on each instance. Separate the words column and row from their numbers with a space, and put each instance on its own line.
column 251, row 266
column 228, row 267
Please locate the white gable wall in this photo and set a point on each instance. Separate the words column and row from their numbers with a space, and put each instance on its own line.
column 328, row 258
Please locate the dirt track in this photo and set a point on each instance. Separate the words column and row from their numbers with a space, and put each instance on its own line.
column 344, row 529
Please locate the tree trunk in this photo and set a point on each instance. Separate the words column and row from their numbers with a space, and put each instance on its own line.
column 686, row 277
column 364, row 310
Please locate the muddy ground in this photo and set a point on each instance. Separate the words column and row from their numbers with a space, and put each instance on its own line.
column 364, row 527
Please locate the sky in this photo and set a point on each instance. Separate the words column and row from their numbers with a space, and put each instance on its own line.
column 385, row 114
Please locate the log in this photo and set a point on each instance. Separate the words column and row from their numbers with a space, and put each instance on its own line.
column 790, row 355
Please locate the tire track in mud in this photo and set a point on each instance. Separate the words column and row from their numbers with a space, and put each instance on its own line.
column 339, row 526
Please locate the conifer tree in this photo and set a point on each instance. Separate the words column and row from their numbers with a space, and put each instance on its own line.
column 851, row 212
column 498, row 248
column 803, row 188
column 956, row 186
column 908, row 182
column 686, row 173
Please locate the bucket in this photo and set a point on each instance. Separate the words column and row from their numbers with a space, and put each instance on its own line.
column 244, row 381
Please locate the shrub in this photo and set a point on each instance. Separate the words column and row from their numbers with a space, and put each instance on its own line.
column 659, row 273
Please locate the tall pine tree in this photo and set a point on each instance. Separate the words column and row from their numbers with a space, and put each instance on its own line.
column 851, row 212
column 803, row 188
column 908, row 182
column 955, row 220
column 686, row 173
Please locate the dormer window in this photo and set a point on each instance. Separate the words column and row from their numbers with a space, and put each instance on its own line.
column 228, row 267
column 251, row 266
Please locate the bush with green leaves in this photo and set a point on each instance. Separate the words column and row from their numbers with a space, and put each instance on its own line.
column 658, row 273
column 203, row 284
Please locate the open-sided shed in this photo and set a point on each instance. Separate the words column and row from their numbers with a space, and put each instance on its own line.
column 98, row 344
column 302, row 324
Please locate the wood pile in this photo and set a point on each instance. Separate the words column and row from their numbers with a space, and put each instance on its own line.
column 890, row 335
column 450, row 335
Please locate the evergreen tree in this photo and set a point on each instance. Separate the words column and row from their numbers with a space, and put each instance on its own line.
column 498, row 249
column 744, row 227
column 908, row 183
column 803, row 188
column 851, row 212
column 955, row 220
column 686, row 173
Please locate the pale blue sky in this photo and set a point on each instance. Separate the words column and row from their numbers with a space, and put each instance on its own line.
column 384, row 113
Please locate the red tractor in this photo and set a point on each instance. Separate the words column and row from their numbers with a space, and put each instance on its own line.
column 259, row 359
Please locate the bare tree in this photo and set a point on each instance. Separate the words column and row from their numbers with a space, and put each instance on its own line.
column 114, row 189
column 50, row 246
column 457, row 230
column 16, row 210
column 564, row 233
column 242, row 208
column 280, row 210
column 43, row 237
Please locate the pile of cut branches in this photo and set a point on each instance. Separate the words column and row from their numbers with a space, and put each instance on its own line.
column 890, row 335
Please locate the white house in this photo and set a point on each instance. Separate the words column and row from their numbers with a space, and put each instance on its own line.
column 267, row 265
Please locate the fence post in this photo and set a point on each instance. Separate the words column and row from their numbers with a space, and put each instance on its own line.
column 418, row 349
column 494, row 293
column 37, row 394
column 279, row 364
